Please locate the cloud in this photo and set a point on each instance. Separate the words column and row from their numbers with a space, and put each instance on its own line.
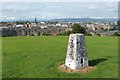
column 46, row 10
column 43, row 17
column 11, row 18
column 60, row 0
column 91, row 7
column 53, row 6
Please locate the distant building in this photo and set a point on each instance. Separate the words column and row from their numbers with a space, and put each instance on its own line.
column 35, row 20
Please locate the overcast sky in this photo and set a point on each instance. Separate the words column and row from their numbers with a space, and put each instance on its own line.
column 60, row 0
column 12, row 10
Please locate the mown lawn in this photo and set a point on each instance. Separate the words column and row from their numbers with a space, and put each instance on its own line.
column 38, row 57
column 0, row 57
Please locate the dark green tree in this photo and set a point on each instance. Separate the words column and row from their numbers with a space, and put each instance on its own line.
column 116, row 34
column 76, row 28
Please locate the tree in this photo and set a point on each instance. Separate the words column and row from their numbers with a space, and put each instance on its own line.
column 76, row 28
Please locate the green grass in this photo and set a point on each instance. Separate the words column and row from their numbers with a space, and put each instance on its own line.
column 38, row 57
column 0, row 58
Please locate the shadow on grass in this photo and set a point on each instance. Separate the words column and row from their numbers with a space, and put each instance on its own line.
column 95, row 62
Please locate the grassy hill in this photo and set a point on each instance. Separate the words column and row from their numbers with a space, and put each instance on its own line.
column 38, row 57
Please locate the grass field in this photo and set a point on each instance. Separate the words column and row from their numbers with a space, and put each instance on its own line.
column 38, row 57
column 0, row 58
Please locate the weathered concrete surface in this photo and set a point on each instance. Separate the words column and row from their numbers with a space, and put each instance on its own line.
column 76, row 57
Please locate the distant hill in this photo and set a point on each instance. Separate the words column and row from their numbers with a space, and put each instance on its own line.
column 84, row 20
column 72, row 20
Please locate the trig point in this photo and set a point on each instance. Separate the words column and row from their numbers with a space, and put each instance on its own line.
column 76, row 57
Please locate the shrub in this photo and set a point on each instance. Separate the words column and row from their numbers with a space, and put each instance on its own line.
column 98, row 34
column 88, row 34
column 46, row 34
column 116, row 34
column 66, row 33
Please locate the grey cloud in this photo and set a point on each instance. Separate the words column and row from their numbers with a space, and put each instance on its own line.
column 57, row 10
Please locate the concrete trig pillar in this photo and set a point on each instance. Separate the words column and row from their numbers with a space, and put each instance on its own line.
column 76, row 57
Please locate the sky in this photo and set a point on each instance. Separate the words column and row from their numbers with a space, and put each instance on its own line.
column 60, row 0
column 13, row 10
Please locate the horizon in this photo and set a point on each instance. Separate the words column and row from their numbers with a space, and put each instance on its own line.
column 67, row 20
